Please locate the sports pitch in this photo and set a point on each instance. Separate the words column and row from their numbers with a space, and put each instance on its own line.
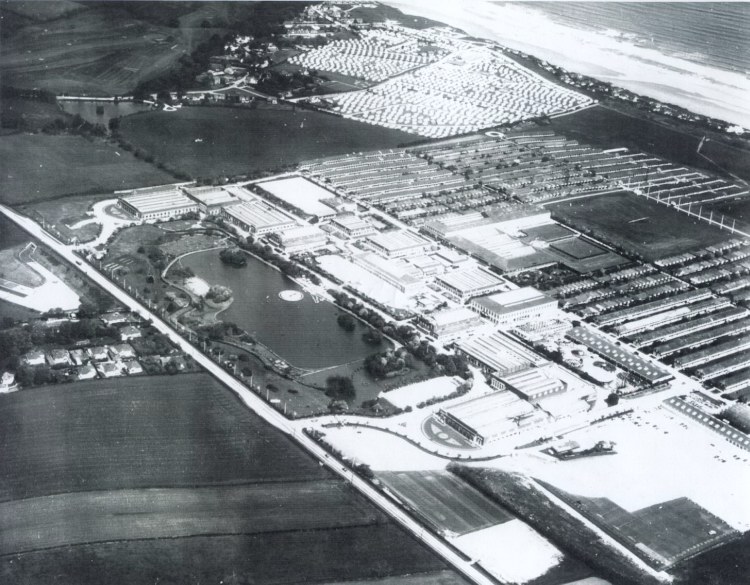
column 445, row 501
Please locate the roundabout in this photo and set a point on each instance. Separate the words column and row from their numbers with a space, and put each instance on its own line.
column 292, row 296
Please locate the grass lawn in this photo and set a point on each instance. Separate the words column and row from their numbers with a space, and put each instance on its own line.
column 97, row 51
column 241, row 140
column 66, row 213
column 637, row 225
column 273, row 558
column 607, row 128
column 38, row 167
column 138, row 432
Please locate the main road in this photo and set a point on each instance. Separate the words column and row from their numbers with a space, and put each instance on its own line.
column 254, row 402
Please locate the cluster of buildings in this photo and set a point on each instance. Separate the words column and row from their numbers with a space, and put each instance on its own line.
column 93, row 362
column 463, row 92
column 374, row 55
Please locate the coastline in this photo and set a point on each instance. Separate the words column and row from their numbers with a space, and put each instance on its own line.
column 705, row 90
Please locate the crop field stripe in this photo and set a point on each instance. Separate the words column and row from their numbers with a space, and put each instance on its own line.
column 445, row 500
column 46, row 522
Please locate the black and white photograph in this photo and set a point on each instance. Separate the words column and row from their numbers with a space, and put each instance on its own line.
column 400, row 292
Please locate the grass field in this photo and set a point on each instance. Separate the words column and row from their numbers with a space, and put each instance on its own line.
column 64, row 214
column 274, row 558
column 96, row 51
column 40, row 523
column 726, row 565
column 607, row 128
column 134, row 433
column 662, row 534
column 173, row 480
column 637, row 225
column 240, row 140
column 38, row 167
column 445, row 501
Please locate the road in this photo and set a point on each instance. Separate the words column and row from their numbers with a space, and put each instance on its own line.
column 254, row 402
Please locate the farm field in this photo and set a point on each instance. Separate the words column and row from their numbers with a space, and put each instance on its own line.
column 98, row 51
column 637, row 225
column 274, row 558
column 37, row 167
column 40, row 523
column 173, row 476
column 136, row 433
column 445, row 501
column 234, row 141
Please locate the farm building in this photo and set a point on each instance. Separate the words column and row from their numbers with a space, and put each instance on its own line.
column 258, row 218
column 165, row 203
column 461, row 285
column 515, row 307
column 300, row 239
column 210, row 200
column 491, row 417
column 353, row 226
column 399, row 244
column 499, row 353
column 448, row 323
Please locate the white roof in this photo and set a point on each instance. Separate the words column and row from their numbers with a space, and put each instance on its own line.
column 302, row 194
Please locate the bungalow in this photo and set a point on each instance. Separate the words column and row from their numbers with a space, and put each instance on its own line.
column 133, row 367
column 114, row 318
column 79, row 356
column 98, row 354
column 108, row 370
column 7, row 382
column 34, row 358
column 58, row 357
column 87, row 372
column 129, row 332
column 122, row 351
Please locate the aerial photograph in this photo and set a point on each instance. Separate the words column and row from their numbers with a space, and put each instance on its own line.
column 411, row 292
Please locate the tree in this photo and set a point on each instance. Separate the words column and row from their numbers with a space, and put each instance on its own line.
column 613, row 399
column 346, row 322
column 340, row 387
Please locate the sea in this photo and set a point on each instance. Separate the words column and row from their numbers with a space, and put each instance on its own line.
column 692, row 54
column 710, row 33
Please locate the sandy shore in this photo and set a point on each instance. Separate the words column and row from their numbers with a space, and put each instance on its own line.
column 699, row 88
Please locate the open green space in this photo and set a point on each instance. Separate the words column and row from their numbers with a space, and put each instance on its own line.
column 67, row 215
column 275, row 558
column 608, row 128
column 204, row 141
column 38, row 167
column 103, row 49
column 446, row 502
column 134, row 433
column 636, row 225
column 173, row 480
column 725, row 565
column 104, row 516
column 662, row 534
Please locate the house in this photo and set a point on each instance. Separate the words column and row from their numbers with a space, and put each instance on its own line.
column 108, row 370
column 133, row 367
column 87, row 372
column 79, row 356
column 7, row 382
column 98, row 354
column 129, row 332
column 114, row 318
column 34, row 358
column 58, row 357
column 122, row 351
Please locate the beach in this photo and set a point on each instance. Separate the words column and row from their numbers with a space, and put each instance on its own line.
column 604, row 54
